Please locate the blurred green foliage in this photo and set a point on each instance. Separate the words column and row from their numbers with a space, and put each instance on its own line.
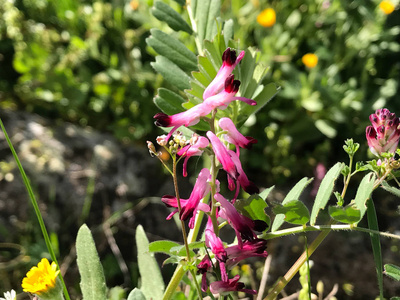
column 87, row 62
column 82, row 61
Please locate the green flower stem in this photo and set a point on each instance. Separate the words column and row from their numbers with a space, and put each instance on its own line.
column 301, row 229
column 35, row 206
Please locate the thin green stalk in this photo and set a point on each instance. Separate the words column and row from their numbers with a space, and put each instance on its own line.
column 35, row 206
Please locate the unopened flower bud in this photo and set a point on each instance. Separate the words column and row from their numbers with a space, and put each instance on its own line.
column 151, row 148
column 162, row 140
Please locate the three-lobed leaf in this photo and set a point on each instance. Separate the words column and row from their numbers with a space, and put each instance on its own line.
column 293, row 194
column 294, row 212
column 348, row 214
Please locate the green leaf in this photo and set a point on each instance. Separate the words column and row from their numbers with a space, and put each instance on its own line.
column 395, row 298
column 293, row 212
column 364, row 192
column 152, row 282
column 206, row 14
column 136, row 294
column 348, row 214
column 165, row 13
column 171, row 72
column 264, row 194
column 168, row 101
column 162, row 246
column 228, row 31
column 181, row 2
column 165, row 45
column 390, row 189
column 93, row 284
column 294, row 194
column 267, row 93
column 254, row 208
column 392, row 271
column 376, row 243
column 325, row 191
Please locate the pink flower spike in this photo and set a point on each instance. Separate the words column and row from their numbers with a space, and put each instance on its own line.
column 234, row 137
column 195, row 149
column 229, row 62
column 384, row 134
column 232, row 285
column 215, row 244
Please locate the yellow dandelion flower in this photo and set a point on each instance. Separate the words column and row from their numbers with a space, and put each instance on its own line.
column 386, row 6
column 40, row 279
column 310, row 60
column 267, row 17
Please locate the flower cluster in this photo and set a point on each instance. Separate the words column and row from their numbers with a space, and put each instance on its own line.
column 223, row 141
column 384, row 134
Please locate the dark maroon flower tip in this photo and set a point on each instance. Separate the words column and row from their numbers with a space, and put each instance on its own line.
column 251, row 142
column 162, row 120
column 260, row 225
column 371, row 133
column 231, row 85
column 251, row 188
column 229, row 57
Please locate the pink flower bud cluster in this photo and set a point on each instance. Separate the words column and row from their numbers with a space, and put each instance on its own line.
column 218, row 95
column 384, row 134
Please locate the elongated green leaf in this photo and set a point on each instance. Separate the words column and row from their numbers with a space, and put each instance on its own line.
column 264, row 194
column 228, row 31
column 294, row 212
column 166, row 45
column 392, row 271
column 293, row 194
column 213, row 13
column 254, row 208
column 162, row 246
column 152, row 283
column 348, row 214
column 167, row 14
column 376, row 243
column 181, row 2
column 171, row 72
column 168, row 101
column 395, row 298
column 364, row 192
column 390, row 189
column 93, row 283
column 325, row 191
column 202, row 10
column 136, row 294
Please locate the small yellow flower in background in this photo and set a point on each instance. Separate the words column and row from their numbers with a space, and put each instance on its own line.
column 42, row 279
column 387, row 7
column 267, row 17
column 9, row 296
column 134, row 4
column 310, row 60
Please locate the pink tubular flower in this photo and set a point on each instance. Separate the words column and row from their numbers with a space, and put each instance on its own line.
column 214, row 242
column 231, row 285
column 243, row 226
column 202, row 268
column 191, row 205
column 186, row 118
column 384, row 134
column 244, row 182
column 225, row 97
column 252, row 248
column 193, row 149
column 229, row 62
column 224, row 158
column 233, row 136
